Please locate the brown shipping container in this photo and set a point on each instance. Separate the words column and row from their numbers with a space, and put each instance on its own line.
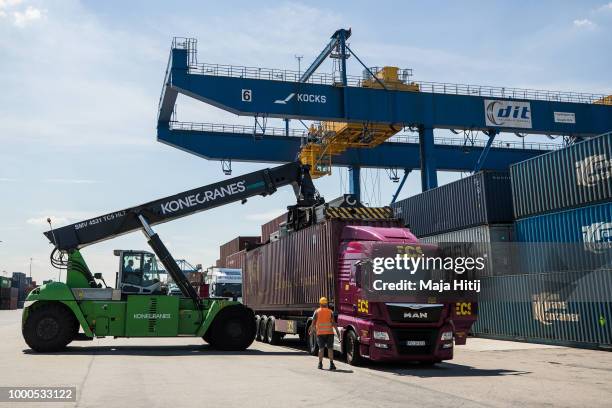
column 236, row 261
column 236, row 245
column 9, row 293
column 270, row 227
column 220, row 263
column 291, row 274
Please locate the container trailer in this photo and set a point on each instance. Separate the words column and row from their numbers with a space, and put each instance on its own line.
column 284, row 279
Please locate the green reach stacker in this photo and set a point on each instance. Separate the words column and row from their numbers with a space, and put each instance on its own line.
column 137, row 307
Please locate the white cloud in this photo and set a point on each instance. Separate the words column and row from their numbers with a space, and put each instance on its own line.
column 265, row 216
column 59, row 218
column 7, row 179
column 4, row 4
column 584, row 23
column 71, row 181
column 23, row 18
column 605, row 7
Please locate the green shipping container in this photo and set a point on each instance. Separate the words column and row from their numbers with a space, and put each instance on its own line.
column 572, row 309
column 5, row 282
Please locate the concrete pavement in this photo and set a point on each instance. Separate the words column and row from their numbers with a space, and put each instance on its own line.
column 180, row 372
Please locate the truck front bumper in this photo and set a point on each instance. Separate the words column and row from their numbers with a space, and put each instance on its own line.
column 411, row 345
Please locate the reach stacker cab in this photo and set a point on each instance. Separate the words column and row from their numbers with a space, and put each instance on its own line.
column 55, row 313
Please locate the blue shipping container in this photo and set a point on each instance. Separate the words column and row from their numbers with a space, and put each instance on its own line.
column 577, row 239
column 578, row 175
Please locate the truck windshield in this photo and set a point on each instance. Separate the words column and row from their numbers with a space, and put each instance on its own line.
column 228, row 290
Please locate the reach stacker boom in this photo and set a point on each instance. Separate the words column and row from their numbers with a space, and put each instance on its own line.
column 54, row 313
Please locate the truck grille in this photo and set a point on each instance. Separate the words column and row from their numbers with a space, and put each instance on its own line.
column 414, row 313
column 411, row 341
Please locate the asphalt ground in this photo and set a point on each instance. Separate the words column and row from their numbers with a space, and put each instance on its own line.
column 185, row 372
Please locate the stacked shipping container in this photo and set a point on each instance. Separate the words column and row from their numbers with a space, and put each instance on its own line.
column 8, row 294
column 475, row 209
column 563, row 204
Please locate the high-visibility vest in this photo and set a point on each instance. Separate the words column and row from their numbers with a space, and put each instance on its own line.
column 325, row 320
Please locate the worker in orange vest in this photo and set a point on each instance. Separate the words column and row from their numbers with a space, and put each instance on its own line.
column 324, row 324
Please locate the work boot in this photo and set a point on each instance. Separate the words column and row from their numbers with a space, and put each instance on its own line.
column 332, row 367
column 320, row 365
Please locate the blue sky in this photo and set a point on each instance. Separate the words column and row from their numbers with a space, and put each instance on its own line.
column 80, row 83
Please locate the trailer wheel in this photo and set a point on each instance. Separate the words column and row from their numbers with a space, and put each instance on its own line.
column 263, row 324
column 352, row 349
column 311, row 342
column 49, row 327
column 233, row 329
column 272, row 336
column 258, row 320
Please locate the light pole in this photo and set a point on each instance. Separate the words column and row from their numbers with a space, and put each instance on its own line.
column 299, row 59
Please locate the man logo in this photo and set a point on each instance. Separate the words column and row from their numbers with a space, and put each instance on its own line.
column 505, row 113
column 415, row 315
column 593, row 170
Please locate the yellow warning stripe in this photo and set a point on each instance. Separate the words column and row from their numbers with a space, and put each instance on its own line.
column 363, row 213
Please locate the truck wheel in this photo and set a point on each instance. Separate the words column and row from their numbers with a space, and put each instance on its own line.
column 233, row 329
column 258, row 321
column 49, row 327
column 273, row 337
column 352, row 349
column 262, row 331
column 311, row 343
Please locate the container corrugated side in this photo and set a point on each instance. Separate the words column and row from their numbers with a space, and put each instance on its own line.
column 484, row 198
column 580, row 174
column 272, row 226
column 531, row 308
column 295, row 271
column 236, row 260
column 499, row 255
column 567, row 240
column 236, row 245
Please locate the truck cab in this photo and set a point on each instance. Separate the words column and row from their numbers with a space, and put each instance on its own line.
column 138, row 272
column 423, row 331
column 224, row 283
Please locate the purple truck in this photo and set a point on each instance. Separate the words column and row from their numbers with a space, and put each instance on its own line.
column 284, row 279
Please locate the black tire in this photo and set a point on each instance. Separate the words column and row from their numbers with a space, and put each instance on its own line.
column 351, row 349
column 233, row 329
column 263, row 326
column 311, row 343
column 258, row 321
column 50, row 327
column 273, row 337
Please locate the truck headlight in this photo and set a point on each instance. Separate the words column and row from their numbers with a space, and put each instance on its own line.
column 446, row 336
column 380, row 335
column 381, row 345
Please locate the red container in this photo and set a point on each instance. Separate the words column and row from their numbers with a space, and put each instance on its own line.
column 220, row 263
column 8, row 293
column 236, row 261
column 272, row 226
column 295, row 271
column 236, row 245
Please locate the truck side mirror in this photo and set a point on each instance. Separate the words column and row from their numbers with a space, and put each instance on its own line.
column 358, row 274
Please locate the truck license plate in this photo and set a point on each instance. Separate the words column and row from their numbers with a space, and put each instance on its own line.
column 416, row 343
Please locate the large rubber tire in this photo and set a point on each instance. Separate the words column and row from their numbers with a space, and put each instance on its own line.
column 273, row 337
column 49, row 327
column 311, row 343
column 258, row 321
column 233, row 329
column 262, row 331
column 351, row 349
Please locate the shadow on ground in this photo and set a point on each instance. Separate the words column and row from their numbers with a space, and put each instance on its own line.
column 170, row 350
column 444, row 369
